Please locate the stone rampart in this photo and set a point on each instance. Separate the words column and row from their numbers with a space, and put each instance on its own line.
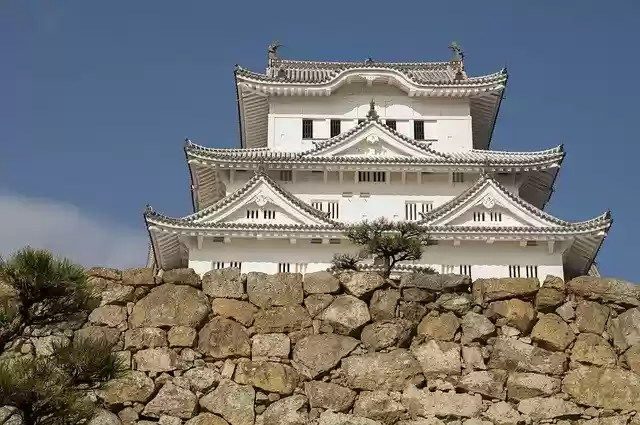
column 357, row 349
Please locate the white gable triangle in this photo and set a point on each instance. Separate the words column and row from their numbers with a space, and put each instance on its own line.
column 262, row 202
column 372, row 140
column 489, row 204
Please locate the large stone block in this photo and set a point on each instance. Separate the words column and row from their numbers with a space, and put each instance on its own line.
column 132, row 386
column 170, row 305
column 364, row 283
column 156, row 360
column 424, row 403
column 605, row 289
column 594, row 350
column 140, row 338
column 321, row 282
column 442, row 327
column 523, row 385
column 288, row 411
column 269, row 376
column 222, row 338
column 592, row 317
column 233, row 402
column 280, row 289
column 329, row 396
column 487, row 290
column 489, row 383
column 282, row 319
column 173, row 401
column 224, row 283
column 517, row 313
column 380, row 371
column 240, row 311
column 138, row 276
column 317, row 354
column 346, row 314
column 553, row 333
column 383, row 304
column 438, row 358
column 517, row 356
column 378, row 405
column 625, row 329
column 182, row 277
column 435, row 282
column 386, row 333
column 607, row 388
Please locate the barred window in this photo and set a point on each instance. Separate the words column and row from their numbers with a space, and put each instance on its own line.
column 418, row 130
column 286, row 175
column 458, row 177
column 372, row 176
column 284, row 267
column 307, row 129
column 391, row 124
column 335, row 128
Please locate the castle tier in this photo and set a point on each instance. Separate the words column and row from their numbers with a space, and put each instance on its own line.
column 326, row 144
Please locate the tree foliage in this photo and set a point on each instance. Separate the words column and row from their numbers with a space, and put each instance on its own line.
column 43, row 392
column 48, row 287
column 88, row 360
column 389, row 241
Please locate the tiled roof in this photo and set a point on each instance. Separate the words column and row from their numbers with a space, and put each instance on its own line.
column 601, row 221
column 315, row 72
column 472, row 157
column 192, row 220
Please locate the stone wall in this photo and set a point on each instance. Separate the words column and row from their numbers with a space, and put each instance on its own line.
column 358, row 350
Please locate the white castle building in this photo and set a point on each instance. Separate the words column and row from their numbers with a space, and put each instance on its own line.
column 317, row 153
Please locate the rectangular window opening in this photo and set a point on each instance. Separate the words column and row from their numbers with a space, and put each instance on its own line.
column 458, row 177
column 514, row 271
column 286, row 175
column 418, row 130
column 335, row 128
column 391, row 124
column 284, row 267
column 307, row 129
column 269, row 214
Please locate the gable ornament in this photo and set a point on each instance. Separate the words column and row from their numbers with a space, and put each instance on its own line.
column 371, row 145
column 261, row 200
column 488, row 202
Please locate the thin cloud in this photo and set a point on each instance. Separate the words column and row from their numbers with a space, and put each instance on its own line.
column 67, row 231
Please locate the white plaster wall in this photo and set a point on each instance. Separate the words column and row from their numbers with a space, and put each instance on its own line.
column 358, row 201
column 486, row 260
column 449, row 119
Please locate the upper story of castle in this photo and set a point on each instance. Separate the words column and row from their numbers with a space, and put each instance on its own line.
column 296, row 104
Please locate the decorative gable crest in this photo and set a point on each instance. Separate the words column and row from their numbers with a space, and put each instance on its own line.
column 371, row 146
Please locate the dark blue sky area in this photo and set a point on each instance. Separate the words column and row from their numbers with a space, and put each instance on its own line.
column 96, row 98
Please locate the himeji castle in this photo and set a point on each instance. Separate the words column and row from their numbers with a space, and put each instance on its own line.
column 327, row 144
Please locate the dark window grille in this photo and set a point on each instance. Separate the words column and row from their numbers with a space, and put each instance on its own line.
column 307, row 129
column 418, row 130
column 335, row 128
column 391, row 124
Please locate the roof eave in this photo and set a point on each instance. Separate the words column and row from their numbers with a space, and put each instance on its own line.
column 495, row 117
column 240, row 112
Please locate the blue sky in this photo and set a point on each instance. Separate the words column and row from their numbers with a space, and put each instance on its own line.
column 96, row 98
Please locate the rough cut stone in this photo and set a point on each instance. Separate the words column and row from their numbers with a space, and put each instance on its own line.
column 435, row 282
column 315, row 303
column 608, row 388
column 456, row 303
column 552, row 293
column 442, row 327
column 288, row 411
column 383, row 304
column 363, row 283
column 386, row 333
column 380, row 371
column 378, row 405
column 140, row 338
column 270, row 376
column 329, row 396
column 105, row 273
column 593, row 349
column 487, row 290
column 274, row 345
column 524, row 385
column 502, row 413
column 518, row 313
column 174, row 401
column 317, row 354
column 240, row 311
column 321, row 282
column 100, row 417
column 625, row 329
column 170, row 305
column 330, row 418
column 473, row 359
column 206, row 419
column 605, row 289
column 438, row 357
column 413, row 312
column 417, row 294
column 221, row 338
column 346, row 314
column 98, row 333
column 632, row 357
column 476, row 327
column 282, row 319
column 182, row 277
column 539, row 408
column 552, row 333
column 182, row 336
column 139, row 276
column 202, row 378
column 591, row 317
column 279, row 289
column 114, row 293
column 232, row 401
column 489, row 383
column 566, row 311
column 45, row 346
column 224, row 283
column 156, row 360
column 425, row 403
column 518, row 356
column 132, row 386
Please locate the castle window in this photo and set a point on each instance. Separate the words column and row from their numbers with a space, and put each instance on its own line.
column 217, row 265
column 418, row 130
column 269, row 214
column 514, row 271
column 412, row 210
column 464, row 270
column 531, row 271
column 307, row 129
column 284, row 267
column 495, row 216
column 478, row 216
column 330, row 207
column 301, row 268
column 286, row 175
column 235, row 264
column 335, row 128
column 372, row 176
column 457, row 177
column 360, row 121
column 253, row 214
column 391, row 124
